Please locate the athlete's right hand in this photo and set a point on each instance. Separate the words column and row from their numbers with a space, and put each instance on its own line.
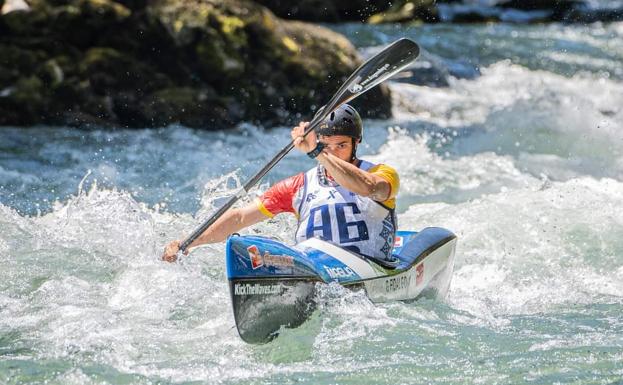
column 302, row 143
column 171, row 250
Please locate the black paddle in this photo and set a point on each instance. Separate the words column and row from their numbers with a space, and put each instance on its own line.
column 375, row 70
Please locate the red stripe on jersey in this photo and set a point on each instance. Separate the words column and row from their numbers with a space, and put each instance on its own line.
column 278, row 198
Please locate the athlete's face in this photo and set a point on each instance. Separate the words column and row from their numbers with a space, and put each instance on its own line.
column 338, row 145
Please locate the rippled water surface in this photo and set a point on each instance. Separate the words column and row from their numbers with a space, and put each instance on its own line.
column 521, row 155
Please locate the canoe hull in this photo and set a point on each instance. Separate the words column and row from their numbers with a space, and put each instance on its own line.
column 262, row 306
column 432, row 273
column 273, row 285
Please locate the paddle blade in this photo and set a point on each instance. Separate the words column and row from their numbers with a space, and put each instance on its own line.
column 374, row 71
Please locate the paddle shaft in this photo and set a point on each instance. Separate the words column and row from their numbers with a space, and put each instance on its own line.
column 245, row 189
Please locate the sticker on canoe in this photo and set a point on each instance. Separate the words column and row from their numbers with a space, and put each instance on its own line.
column 398, row 241
column 419, row 276
column 339, row 272
column 256, row 289
column 397, row 283
column 258, row 260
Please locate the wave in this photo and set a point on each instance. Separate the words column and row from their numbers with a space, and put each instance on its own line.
column 561, row 127
column 528, row 250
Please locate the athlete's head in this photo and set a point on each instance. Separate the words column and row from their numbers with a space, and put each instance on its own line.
column 341, row 131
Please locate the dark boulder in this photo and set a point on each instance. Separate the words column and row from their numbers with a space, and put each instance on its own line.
column 326, row 11
column 558, row 9
column 406, row 11
column 203, row 63
column 433, row 71
column 514, row 11
column 534, row 5
column 593, row 15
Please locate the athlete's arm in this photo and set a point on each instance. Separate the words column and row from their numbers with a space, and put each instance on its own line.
column 232, row 221
column 345, row 174
column 275, row 200
column 354, row 179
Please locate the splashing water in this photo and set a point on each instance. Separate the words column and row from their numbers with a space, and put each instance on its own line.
column 524, row 163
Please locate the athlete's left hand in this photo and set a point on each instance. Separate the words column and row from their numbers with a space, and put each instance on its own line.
column 171, row 250
column 307, row 143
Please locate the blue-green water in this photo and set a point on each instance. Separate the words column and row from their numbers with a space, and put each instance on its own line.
column 523, row 159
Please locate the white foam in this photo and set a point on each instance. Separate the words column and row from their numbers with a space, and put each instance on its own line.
column 426, row 173
column 513, row 110
column 527, row 250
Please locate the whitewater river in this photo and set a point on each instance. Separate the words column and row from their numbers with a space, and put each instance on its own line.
column 521, row 156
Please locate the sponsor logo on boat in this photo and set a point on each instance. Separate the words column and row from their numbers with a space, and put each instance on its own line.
column 419, row 276
column 397, row 283
column 256, row 289
column 375, row 75
column 398, row 241
column 339, row 272
column 255, row 257
column 258, row 260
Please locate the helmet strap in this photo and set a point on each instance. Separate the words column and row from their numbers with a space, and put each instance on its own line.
column 353, row 154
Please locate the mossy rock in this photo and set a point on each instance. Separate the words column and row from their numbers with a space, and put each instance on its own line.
column 326, row 59
column 560, row 10
column 16, row 61
column 83, row 23
column 28, row 90
column 326, row 10
column 24, row 23
column 188, row 106
column 106, row 9
column 533, row 5
column 108, row 71
column 51, row 73
column 218, row 62
column 303, row 41
column 203, row 63
column 23, row 103
column 406, row 11
column 475, row 17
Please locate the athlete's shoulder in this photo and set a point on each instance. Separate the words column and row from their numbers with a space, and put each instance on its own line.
column 384, row 168
column 386, row 172
column 391, row 176
column 278, row 198
column 294, row 181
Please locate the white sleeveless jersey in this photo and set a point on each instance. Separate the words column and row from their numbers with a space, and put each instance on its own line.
column 332, row 213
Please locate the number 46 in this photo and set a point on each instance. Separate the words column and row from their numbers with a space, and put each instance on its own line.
column 359, row 227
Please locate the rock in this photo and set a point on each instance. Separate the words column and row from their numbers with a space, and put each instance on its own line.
column 569, row 11
column 9, row 6
column 593, row 15
column 559, row 9
column 433, row 11
column 109, row 71
column 22, row 102
column 433, row 71
column 405, row 11
column 534, row 5
column 94, row 19
column 475, row 17
column 339, row 61
column 188, row 106
column 204, row 63
column 51, row 73
column 326, row 11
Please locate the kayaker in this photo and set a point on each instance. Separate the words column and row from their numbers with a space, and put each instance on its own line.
column 344, row 200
